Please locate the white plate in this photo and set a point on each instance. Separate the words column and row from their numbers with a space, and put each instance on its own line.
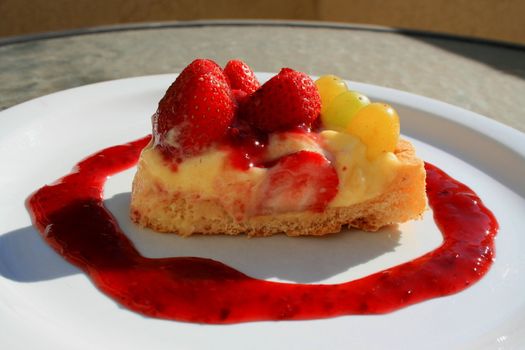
column 47, row 303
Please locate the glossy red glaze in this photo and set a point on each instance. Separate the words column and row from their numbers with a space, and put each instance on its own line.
column 71, row 217
column 246, row 146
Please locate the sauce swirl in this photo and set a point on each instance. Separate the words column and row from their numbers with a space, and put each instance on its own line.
column 71, row 217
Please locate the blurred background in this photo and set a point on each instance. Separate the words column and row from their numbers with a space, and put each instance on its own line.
column 501, row 20
column 475, row 61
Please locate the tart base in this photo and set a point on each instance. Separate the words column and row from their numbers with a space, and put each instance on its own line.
column 403, row 199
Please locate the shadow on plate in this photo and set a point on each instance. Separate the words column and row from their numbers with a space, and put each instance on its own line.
column 25, row 257
column 295, row 259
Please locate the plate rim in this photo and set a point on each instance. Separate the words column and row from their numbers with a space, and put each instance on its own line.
column 469, row 123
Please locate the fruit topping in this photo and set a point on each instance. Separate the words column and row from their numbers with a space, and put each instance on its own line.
column 288, row 100
column 206, row 105
column 300, row 181
column 377, row 125
column 342, row 109
column 196, row 110
column 329, row 86
column 241, row 76
column 239, row 96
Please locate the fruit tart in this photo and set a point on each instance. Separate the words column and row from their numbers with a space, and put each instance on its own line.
column 229, row 155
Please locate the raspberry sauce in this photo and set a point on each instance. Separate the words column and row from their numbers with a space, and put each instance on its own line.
column 72, row 219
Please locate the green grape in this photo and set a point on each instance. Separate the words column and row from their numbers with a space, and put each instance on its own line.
column 342, row 109
column 329, row 87
column 377, row 125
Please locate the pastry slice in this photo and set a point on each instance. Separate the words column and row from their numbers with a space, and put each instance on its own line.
column 292, row 156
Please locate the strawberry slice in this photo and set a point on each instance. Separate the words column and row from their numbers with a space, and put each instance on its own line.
column 288, row 100
column 196, row 110
column 241, row 76
column 300, row 181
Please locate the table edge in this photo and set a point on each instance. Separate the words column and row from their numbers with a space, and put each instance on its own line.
column 253, row 23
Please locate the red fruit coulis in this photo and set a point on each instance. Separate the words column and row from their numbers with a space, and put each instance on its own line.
column 71, row 217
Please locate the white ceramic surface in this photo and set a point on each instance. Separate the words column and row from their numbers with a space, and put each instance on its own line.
column 46, row 303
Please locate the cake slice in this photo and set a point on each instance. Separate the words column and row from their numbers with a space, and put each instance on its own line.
column 228, row 156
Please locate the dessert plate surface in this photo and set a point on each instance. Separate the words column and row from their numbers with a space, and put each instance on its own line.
column 46, row 303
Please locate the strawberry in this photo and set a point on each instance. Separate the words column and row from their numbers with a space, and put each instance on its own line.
column 239, row 96
column 288, row 100
column 196, row 110
column 241, row 76
column 300, row 181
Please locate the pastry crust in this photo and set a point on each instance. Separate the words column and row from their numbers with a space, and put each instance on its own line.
column 403, row 199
